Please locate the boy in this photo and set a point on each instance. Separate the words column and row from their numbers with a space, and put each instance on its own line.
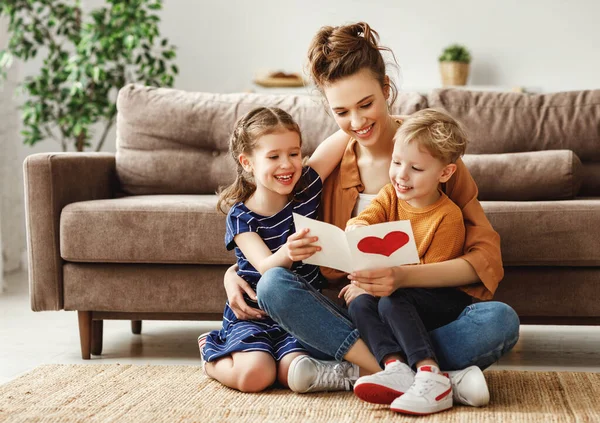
column 426, row 147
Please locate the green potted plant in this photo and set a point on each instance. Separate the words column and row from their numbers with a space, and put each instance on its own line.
column 454, row 65
column 87, row 57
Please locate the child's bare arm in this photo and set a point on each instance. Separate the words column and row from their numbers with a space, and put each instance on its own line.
column 260, row 256
column 329, row 154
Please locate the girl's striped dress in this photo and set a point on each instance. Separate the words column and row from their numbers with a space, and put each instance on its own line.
column 265, row 334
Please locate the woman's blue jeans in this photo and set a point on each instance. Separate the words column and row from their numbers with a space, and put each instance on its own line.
column 480, row 335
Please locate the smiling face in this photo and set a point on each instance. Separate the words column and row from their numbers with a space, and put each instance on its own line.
column 416, row 174
column 275, row 162
column 359, row 107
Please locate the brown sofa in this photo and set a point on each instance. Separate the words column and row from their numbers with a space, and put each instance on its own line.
column 136, row 235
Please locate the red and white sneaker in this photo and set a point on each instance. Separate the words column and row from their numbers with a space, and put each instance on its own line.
column 385, row 386
column 430, row 393
column 201, row 345
column 469, row 387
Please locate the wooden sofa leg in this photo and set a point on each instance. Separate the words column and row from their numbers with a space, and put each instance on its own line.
column 85, row 333
column 97, row 329
column 136, row 326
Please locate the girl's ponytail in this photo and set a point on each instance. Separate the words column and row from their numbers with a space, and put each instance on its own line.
column 240, row 190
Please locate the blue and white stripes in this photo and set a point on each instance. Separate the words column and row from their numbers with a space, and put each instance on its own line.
column 265, row 335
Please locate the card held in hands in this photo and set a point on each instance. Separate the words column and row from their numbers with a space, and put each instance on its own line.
column 369, row 247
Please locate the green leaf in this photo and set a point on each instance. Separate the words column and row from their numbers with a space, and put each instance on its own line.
column 455, row 53
column 85, row 56
column 6, row 59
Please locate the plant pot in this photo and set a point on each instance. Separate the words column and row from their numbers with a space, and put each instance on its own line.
column 454, row 73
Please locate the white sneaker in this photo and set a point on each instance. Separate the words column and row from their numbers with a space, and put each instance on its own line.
column 307, row 374
column 430, row 393
column 201, row 344
column 469, row 387
column 385, row 386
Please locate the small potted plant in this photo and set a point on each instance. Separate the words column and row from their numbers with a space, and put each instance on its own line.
column 454, row 65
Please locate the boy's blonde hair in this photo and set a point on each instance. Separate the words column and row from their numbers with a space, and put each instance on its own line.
column 437, row 131
column 248, row 129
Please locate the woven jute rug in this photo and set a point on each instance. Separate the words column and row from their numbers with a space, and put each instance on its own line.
column 134, row 393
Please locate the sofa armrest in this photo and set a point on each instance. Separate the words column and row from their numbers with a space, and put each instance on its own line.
column 53, row 180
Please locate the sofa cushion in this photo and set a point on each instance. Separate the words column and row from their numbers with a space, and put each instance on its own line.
column 176, row 142
column 188, row 229
column 530, row 176
column 502, row 122
column 145, row 229
column 547, row 233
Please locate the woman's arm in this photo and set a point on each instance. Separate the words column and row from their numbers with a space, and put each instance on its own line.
column 382, row 282
column 328, row 154
column 235, row 287
column 440, row 268
column 482, row 242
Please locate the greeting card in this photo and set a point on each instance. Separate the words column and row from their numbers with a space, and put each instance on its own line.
column 368, row 247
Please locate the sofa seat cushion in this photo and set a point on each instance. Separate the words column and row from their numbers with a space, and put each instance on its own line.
column 547, row 233
column 528, row 176
column 145, row 229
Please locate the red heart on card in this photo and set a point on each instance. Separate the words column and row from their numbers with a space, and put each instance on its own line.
column 386, row 246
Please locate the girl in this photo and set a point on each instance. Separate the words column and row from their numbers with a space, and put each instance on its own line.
column 271, row 183
column 347, row 66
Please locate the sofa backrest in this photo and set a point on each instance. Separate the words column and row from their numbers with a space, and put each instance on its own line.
column 176, row 142
column 514, row 122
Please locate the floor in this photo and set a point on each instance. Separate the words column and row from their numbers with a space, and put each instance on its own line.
column 29, row 339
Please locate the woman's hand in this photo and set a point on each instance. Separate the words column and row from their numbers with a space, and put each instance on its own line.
column 379, row 282
column 235, row 288
column 350, row 292
column 299, row 245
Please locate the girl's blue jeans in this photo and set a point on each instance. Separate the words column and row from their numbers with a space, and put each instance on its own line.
column 480, row 335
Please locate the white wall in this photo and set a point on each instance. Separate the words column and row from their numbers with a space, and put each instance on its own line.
column 550, row 46
column 12, row 229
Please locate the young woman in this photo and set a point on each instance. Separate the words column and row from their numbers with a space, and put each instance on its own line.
column 347, row 66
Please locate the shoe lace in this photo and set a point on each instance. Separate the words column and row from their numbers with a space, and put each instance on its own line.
column 421, row 385
column 334, row 377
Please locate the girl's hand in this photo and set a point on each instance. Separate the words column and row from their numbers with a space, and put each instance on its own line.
column 350, row 292
column 378, row 282
column 298, row 246
column 235, row 288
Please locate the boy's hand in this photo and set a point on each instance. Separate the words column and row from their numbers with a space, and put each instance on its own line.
column 350, row 292
column 379, row 282
column 299, row 245
column 353, row 227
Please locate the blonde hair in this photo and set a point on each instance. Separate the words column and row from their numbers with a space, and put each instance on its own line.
column 443, row 136
column 248, row 129
column 341, row 51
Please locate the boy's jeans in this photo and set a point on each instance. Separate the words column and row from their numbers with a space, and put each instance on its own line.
column 480, row 335
column 401, row 322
